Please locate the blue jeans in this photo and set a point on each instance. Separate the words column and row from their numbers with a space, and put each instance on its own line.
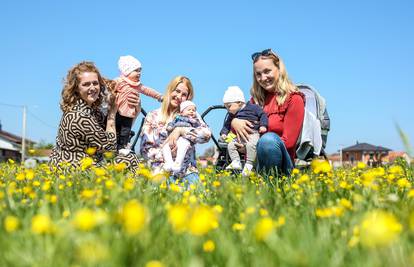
column 189, row 179
column 273, row 155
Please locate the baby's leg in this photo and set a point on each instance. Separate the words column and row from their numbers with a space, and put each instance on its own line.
column 182, row 146
column 123, row 127
column 251, row 148
column 168, row 161
column 232, row 149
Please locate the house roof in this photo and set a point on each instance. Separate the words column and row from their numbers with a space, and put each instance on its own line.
column 14, row 138
column 4, row 144
column 365, row 147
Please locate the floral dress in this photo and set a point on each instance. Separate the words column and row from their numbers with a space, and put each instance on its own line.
column 80, row 128
column 154, row 133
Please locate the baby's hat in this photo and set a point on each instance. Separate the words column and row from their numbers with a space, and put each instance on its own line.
column 186, row 104
column 233, row 94
column 128, row 64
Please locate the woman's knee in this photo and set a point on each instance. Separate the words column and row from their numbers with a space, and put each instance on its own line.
column 269, row 142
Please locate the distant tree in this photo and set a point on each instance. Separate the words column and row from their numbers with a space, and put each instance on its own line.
column 42, row 144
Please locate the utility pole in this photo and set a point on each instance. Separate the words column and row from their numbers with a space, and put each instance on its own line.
column 24, row 134
column 340, row 154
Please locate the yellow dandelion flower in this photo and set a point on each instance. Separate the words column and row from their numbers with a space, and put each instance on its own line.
column 295, row 171
column 134, row 216
column 263, row 228
column 91, row 151
column 263, row 212
column 154, row 264
column 108, row 155
column 345, row 203
column 129, row 184
column 320, row 166
column 209, row 246
column 203, row 219
column 396, row 170
column 178, row 217
column 238, row 227
column 20, row 176
column 66, row 214
column 99, row 171
column 379, row 228
column 119, row 167
column 87, row 194
column 84, row 220
column 42, row 224
column 11, row 223
column 86, row 163
column 361, row 165
column 403, row 183
column 30, row 174
column 216, row 183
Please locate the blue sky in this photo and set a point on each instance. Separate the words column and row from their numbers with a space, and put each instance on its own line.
column 358, row 54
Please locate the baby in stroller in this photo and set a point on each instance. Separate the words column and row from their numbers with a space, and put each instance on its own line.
column 237, row 107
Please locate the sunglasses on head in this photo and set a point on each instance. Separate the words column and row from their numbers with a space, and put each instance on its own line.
column 266, row 52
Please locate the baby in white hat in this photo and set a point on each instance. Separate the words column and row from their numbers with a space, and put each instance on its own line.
column 188, row 117
column 129, row 82
column 237, row 107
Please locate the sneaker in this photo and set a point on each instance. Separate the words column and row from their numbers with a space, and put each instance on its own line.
column 247, row 169
column 234, row 165
column 124, row 151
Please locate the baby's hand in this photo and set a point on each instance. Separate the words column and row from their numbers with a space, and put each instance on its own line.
column 262, row 129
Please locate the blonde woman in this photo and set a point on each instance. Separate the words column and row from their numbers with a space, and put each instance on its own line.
column 82, row 124
column 284, row 106
column 155, row 135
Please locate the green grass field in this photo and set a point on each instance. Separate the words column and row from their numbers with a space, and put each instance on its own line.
column 108, row 217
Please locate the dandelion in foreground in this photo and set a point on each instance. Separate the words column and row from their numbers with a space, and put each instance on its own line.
column 42, row 224
column 379, row 228
column 209, row 246
column 133, row 216
column 11, row 223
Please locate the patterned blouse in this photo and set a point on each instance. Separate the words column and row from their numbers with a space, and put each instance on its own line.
column 154, row 133
column 80, row 128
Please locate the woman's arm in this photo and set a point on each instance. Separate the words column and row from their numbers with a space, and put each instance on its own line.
column 293, row 121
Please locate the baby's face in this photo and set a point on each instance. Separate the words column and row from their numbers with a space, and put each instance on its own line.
column 135, row 75
column 189, row 111
column 233, row 107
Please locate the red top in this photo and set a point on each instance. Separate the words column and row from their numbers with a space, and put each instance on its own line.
column 286, row 120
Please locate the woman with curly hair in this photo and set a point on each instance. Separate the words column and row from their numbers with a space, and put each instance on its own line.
column 285, row 108
column 83, row 125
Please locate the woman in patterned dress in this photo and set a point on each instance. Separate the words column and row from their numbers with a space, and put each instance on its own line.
column 154, row 132
column 83, row 125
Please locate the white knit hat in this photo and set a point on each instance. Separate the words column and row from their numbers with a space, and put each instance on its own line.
column 233, row 94
column 128, row 64
column 186, row 104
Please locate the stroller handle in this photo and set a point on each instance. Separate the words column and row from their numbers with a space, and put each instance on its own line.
column 144, row 113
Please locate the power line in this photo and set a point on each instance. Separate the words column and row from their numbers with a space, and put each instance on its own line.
column 41, row 121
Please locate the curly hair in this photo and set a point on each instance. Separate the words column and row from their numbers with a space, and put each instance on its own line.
column 70, row 92
column 284, row 84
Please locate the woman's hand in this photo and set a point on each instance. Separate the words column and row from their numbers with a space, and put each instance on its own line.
column 133, row 99
column 243, row 129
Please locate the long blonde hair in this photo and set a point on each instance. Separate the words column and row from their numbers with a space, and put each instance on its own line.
column 284, row 84
column 166, row 111
column 70, row 93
